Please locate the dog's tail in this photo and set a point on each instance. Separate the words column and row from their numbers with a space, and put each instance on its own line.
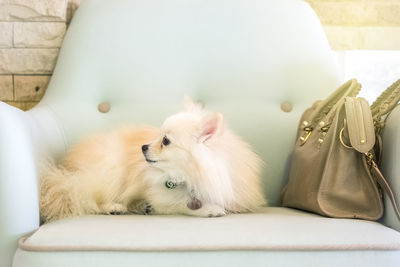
column 56, row 197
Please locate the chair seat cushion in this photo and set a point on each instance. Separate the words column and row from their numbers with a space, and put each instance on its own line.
column 273, row 228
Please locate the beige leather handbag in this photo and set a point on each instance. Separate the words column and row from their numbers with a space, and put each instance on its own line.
column 333, row 169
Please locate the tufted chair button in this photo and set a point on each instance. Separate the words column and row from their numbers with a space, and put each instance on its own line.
column 286, row 106
column 104, row 107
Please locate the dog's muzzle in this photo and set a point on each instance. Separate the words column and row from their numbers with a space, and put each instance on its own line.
column 145, row 149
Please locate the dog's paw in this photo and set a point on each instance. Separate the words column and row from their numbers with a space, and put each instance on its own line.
column 216, row 213
column 141, row 207
column 114, row 209
column 146, row 208
column 210, row 211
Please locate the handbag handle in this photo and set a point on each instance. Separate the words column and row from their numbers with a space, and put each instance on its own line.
column 380, row 179
column 385, row 103
column 328, row 107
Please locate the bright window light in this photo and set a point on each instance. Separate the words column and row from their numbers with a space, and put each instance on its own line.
column 374, row 69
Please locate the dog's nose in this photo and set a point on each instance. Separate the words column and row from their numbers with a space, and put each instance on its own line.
column 145, row 148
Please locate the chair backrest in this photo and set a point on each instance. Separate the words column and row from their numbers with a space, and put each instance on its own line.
column 241, row 57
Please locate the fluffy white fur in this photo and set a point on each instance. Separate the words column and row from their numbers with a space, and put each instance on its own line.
column 215, row 171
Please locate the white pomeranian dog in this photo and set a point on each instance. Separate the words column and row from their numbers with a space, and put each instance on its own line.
column 193, row 165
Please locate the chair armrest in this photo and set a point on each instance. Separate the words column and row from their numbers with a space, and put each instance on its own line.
column 19, row 209
column 391, row 165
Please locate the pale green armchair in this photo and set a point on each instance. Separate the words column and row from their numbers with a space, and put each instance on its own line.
column 260, row 62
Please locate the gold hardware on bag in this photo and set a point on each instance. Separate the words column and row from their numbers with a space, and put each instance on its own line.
column 341, row 139
column 323, row 132
column 304, row 138
column 324, row 129
column 370, row 159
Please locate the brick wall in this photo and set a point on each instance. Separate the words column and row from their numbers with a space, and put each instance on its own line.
column 31, row 32
column 360, row 24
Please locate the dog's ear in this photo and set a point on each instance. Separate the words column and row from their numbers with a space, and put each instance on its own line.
column 211, row 125
column 190, row 106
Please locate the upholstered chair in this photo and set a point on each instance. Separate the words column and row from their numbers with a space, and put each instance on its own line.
column 260, row 62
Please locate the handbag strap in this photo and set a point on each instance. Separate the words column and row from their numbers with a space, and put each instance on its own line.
column 385, row 103
column 380, row 179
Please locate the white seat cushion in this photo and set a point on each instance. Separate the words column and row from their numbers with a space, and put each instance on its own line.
column 272, row 228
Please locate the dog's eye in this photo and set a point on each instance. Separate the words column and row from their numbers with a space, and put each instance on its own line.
column 166, row 141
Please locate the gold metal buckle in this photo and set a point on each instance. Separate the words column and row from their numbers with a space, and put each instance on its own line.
column 341, row 139
column 303, row 139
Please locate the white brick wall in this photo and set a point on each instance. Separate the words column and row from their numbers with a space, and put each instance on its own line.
column 6, row 87
column 33, row 10
column 38, row 34
column 27, row 60
column 360, row 24
column 30, row 88
column 31, row 33
column 6, row 34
